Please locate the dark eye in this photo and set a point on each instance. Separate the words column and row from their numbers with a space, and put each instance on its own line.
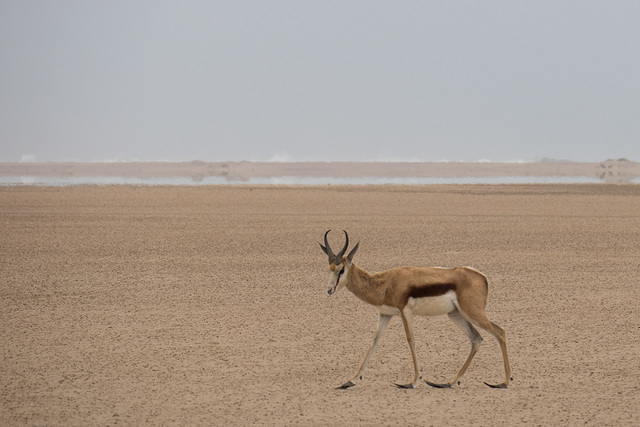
column 341, row 271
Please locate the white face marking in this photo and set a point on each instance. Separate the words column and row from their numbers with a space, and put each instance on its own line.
column 337, row 280
column 433, row 306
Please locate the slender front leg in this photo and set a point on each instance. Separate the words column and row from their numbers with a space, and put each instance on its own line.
column 383, row 322
column 407, row 321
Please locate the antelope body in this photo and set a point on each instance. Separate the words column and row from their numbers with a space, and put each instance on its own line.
column 461, row 293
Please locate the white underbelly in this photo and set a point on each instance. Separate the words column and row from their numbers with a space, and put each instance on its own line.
column 433, row 306
column 389, row 311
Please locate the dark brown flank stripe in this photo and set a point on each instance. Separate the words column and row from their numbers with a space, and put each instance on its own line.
column 434, row 290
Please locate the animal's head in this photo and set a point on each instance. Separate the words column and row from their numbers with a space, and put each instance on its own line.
column 339, row 265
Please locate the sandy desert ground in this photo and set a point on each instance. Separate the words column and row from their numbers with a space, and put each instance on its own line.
column 132, row 305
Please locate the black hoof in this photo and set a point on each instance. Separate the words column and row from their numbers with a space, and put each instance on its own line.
column 404, row 386
column 445, row 385
column 346, row 385
column 497, row 385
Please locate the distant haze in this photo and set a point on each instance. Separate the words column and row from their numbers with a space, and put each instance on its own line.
column 327, row 80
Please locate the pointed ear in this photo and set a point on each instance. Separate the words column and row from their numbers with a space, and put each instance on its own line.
column 324, row 249
column 352, row 253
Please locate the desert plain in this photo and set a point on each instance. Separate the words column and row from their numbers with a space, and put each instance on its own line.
column 207, row 305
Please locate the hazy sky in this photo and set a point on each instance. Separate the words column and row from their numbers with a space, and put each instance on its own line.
column 319, row 80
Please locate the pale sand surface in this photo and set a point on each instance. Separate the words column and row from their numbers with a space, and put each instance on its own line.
column 125, row 305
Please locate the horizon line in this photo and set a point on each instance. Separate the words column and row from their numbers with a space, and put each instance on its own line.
column 31, row 160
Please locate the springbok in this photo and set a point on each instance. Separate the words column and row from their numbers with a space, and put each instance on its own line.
column 460, row 293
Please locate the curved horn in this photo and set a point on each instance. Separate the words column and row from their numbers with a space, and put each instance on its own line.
column 346, row 245
column 329, row 252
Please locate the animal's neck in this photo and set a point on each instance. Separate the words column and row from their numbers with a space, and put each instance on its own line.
column 363, row 285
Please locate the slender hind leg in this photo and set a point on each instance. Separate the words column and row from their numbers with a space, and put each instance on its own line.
column 481, row 320
column 500, row 335
column 471, row 303
column 475, row 339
